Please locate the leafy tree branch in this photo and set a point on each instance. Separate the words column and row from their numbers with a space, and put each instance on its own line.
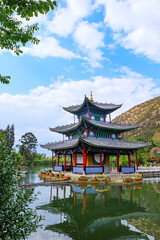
column 12, row 33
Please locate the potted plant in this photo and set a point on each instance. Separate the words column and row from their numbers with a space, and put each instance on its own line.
column 108, row 179
column 128, row 180
column 58, row 176
column 65, row 177
column 83, row 179
column 138, row 179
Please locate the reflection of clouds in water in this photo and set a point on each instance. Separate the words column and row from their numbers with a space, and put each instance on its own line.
column 47, row 235
column 44, row 198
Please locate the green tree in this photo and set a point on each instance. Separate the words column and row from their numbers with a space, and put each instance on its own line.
column 28, row 148
column 12, row 33
column 17, row 219
column 10, row 136
column 124, row 161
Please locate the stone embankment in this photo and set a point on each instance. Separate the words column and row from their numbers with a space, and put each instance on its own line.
column 149, row 171
column 51, row 177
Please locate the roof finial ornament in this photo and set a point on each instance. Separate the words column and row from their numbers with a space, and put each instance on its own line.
column 91, row 98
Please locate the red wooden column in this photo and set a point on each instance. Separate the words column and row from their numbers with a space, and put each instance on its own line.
column 117, row 162
column 136, row 161
column 100, row 159
column 58, row 160
column 52, row 159
column 75, row 159
column 129, row 159
column 64, row 162
column 71, row 162
column 84, row 159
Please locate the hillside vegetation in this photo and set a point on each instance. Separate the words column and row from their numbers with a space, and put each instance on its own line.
column 146, row 114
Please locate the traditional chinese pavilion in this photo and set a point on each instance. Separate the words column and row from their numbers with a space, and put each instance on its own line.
column 93, row 139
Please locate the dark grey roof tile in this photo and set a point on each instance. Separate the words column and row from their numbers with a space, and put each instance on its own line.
column 96, row 142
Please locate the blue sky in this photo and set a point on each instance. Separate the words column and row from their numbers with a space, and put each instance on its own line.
column 111, row 48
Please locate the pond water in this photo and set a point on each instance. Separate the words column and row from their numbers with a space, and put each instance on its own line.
column 97, row 212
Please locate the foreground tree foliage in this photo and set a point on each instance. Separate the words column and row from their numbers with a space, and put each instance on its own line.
column 12, row 33
column 17, row 220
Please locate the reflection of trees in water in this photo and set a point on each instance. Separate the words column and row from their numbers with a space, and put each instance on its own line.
column 147, row 224
column 150, row 198
column 92, row 213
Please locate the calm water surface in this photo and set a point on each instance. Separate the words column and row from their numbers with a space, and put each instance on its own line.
column 97, row 212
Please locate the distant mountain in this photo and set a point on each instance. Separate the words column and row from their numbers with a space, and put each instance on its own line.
column 146, row 114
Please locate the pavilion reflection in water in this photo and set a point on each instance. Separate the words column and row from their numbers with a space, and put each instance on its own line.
column 96, row 212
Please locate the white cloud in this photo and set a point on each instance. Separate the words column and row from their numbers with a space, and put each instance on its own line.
column 65, row 19
column 49, row 47
column 42, row 107
column 135, row 25
column 90, row 40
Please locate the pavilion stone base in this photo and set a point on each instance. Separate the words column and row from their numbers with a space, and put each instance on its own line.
column 107, row 169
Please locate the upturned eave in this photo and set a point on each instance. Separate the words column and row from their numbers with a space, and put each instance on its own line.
column 96, row 143
column 102, row 125
column 108, row 108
